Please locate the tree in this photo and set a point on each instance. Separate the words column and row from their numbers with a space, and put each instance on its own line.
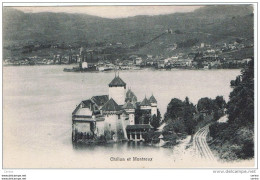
column 138, row 116
column 159, row 116
column 148, row 136
column 216, row 115
column 188, row 119
column 236, row 137
column 142, row 116
column 206, row 104
column 241, row 105
column 220, row 102
column 146, row 118
column 155, row 122
column 174, row 110
column 175, row 126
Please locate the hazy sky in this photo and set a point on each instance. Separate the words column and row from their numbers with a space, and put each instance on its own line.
column 112, row 11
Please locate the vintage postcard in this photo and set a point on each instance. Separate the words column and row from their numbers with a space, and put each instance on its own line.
column 129, row 85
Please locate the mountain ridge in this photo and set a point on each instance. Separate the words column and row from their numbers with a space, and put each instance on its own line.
column 221, row 21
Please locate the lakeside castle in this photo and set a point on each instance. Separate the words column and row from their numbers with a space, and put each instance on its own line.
column 113, row 116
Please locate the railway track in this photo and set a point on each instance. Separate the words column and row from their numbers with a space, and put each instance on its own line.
column 202, row 149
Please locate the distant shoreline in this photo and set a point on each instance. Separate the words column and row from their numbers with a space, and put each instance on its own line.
column 142, row 68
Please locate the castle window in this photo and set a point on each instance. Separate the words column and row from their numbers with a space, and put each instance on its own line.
column 119, row 116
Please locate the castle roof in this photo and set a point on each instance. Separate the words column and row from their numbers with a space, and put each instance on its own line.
column 138, row 127
column 145, row 102
column 88, row 103
column 128, row 105
column 130, row 96
column 100, row 100
column 152, row 99
column 111, row 105
column 117, row 81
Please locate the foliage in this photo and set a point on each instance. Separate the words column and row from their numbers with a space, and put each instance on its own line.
column 108, row 135
column 180, row 117
column 241, row 105
column 188, row 43
column 188, row 118
column 155, row 122
column 201, row 118
column 159, row 116
column 101, row 139
column 216, row 115
column 220, row 102
column 120, row 134
column 142, row 116
column 206, row 104
column 232, row 142
column 171, row 139
column 235, row 139
column 235, row 82
column 176, row 126
column 174, row 110
column 149, row 136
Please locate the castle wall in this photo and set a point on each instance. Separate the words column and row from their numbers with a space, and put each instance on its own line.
column 131, row 116
column 111, row 121
column 84, row 111
column 118, row 94
column 100, row 128
column 82, row 127
column 131, row 119
column 145, row 107
column 154, row 110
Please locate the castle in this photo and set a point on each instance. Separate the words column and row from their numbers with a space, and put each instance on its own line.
column 113, row 116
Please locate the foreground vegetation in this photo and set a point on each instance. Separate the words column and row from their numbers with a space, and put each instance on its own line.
column 235, row 139
column 183, row 118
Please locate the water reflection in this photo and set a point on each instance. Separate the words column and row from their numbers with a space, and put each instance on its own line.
column 120, row 147
column 38, row 128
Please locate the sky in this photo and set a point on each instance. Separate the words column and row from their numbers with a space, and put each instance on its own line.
column 112, row 11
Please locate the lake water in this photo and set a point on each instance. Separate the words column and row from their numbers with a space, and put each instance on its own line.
column 39, row 100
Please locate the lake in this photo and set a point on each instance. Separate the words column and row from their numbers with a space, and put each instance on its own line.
column 38, row 102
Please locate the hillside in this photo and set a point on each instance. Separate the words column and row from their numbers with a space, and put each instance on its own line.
column 211, row 24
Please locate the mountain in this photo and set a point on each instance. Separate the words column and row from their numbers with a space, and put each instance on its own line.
column 210, row 24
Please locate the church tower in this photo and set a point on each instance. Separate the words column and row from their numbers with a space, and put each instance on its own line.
column 117, row 88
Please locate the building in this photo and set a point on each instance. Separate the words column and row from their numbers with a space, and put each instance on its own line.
column 116, row 116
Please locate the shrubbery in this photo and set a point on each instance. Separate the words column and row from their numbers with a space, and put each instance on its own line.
column 179, row 120
column 235, row 139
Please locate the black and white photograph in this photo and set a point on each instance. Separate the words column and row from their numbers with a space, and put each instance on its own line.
column 129, row 85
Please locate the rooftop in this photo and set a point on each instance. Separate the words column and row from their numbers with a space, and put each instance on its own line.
column 88, row 103
column 111, row 105
column 130, row 96
column 100, row 100
column 152, row 99
column 128, row 105
column 145, row 102
column 138, row 127
column 117, row 81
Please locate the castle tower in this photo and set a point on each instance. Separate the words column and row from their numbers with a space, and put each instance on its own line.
column 130, row 109
column 117, row 88
column 130, row 96
column 153, row 102
column 145, row 104
column 113, row 118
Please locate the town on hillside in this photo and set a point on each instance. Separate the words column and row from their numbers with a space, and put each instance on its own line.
column 104, row 57
column 212, row 37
